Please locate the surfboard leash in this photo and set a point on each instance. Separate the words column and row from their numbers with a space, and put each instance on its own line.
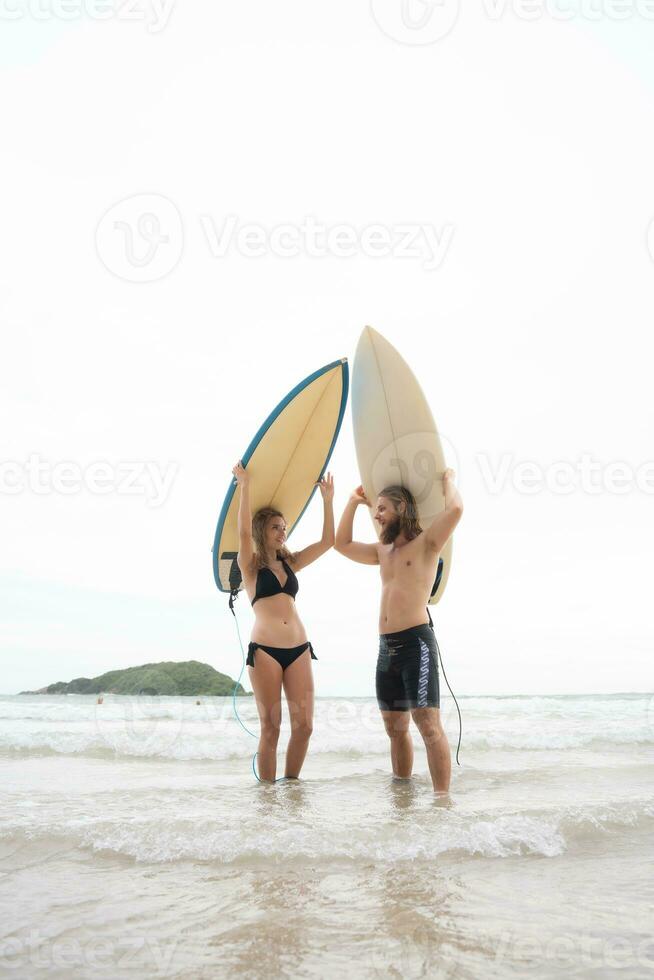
column 440, row 657
column 233, row 595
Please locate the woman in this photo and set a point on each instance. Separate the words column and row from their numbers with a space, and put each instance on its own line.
column 279, row 654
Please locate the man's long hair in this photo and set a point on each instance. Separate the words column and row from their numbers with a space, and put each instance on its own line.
column 259, row 522
column 407, row 522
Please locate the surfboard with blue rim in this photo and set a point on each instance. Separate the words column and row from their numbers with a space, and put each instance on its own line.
column 286, row 458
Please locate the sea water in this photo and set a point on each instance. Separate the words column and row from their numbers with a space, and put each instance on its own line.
column 135, row 841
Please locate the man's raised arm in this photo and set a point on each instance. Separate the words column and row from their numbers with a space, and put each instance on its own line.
column 366, row 554
column 442, row 526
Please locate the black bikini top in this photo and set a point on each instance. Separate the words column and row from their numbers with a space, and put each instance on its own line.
column 268, row 583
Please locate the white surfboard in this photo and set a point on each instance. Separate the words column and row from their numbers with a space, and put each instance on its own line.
column 395, row 435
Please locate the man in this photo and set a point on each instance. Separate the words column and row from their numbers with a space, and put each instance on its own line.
column 407, row 666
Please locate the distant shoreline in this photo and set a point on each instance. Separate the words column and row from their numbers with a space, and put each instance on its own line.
column 188, row 678
column 348, row 697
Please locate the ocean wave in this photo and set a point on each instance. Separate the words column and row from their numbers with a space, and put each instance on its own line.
column 192, row 741
column 154, row 839
column 547, row 741
column 508, row 709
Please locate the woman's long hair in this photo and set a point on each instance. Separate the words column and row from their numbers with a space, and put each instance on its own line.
column 259, row 522
column 408, row 522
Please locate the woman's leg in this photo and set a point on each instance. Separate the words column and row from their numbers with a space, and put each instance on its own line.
column 266, row 680
column 298, row 688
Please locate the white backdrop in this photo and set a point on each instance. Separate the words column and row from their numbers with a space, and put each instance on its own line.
column 203, row 203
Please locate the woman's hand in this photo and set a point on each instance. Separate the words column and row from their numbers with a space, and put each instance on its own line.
column 448, row 476
column 241, row 475
column 326, row 486
column 359, row 497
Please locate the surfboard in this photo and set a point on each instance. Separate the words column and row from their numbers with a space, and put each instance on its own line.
column 286, row 458
column 395, row 435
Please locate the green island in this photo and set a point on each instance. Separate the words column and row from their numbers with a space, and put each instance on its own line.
column 190, row 678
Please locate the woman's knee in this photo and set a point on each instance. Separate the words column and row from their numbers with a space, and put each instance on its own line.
column 302, row 728
column 270, row 732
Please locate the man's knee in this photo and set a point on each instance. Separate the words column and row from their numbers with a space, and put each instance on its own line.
column 432, row 732
column 397, row 728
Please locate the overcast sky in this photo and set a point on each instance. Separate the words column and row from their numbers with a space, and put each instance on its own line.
column 204, row 203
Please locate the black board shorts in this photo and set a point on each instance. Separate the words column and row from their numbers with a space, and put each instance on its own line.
column 407, row 670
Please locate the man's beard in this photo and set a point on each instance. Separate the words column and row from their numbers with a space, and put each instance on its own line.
column 391, row 530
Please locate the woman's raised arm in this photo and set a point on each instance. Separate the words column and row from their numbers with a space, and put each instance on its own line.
column 313, row 551
column 244, row 521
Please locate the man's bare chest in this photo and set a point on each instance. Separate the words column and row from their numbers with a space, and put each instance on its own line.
column 404, row 564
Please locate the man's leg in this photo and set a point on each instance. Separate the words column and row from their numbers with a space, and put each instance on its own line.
column 397, row 728
column 429, row 725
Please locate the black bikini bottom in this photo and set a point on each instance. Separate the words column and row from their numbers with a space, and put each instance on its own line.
column 283, row 655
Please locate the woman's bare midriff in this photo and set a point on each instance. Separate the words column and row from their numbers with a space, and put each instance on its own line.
column 277, row 623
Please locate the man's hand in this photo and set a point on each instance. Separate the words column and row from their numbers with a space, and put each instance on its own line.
column 359, row 497
column 442, row 526
column 452, row 495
